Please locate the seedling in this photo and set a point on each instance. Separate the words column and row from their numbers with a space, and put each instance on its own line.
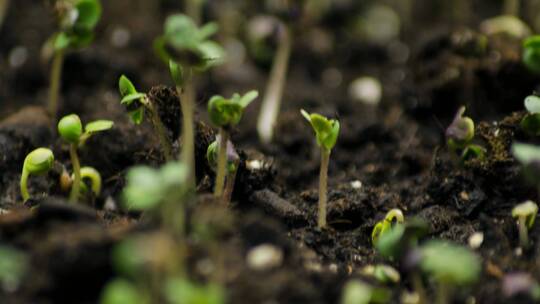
column 401, row 239
column 525, row 213
column 384, row 274
column 77, row 21
column 87, row 174
column 71, row 130
column 531, row 122
column 37, row 162
column 139, row 103
column 226, row 113
column 358, row 292
column 386, row 224
column 450, row 265
column 529, row 157
column 233, row 158
column 459, row 136
column 276, row 83
column 187, row 49
column 531, row 53
column 326, row 133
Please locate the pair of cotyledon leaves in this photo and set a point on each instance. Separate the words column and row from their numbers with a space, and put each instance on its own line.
column 78, row 24
column 326, row 130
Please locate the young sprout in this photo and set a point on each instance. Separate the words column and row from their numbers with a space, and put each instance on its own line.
column 525, row 213
column 529, row 157
column 450, row 265
column 233, row 158
column 531, row 122
column 358, row 292
column 87, row 174
column 326, row 132
column 276, row 83
column 460, row 134
column 401, row 239
column 77, row 20
column 386, row 224
column 37, row 162
column 531, row 53
column 71, row 130
column 226, row 113
column 137, row 104
column 187, row 49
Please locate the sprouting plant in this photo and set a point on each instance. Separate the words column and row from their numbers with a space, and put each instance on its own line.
column 383, row 226
column 87, row 174
column 226, row 113
column 276, row 83
column 460, row 135
column 358, row 292
column 139, row 103
column 529, row 157
column 77, row 20
column 450, row 265
column 14, row 266
column 400, row 239
column 326, row 133
column 531, row 53
column 525, row 213
column 382, row 273
column 37, row 162
column 232, row 157
column 187, row 49
column 531, row 122
column 71, row 130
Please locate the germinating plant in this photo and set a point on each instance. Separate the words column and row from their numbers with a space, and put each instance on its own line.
column 225, row 113
column 139, row 103
column 77, row 20
column 37, row 162
column 531, row 122
column 71, row 130
column 326, row 133
column 233, row 159
column 525, row 214
column 460, row 135
column 529, row 157
column 393, row 216
column 188, row 49
column 531, row 53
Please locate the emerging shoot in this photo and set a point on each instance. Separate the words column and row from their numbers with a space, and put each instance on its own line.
column 77, row 20
column 386, row 224
column 232, row 157
column 531, row 122
column 531, row 53
column 529, row 157
column 37, row 162
column 460, row 135
column 71, row 130
column 326, row 133
column 525, row 213
column 226, row 113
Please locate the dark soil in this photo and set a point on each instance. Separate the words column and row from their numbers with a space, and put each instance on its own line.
column 395, row 149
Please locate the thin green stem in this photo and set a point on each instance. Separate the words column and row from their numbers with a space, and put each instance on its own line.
column 24, row 185
column 229, row 186
column 523, row 232
column 222, row 163
column 274, row 90
column 160, row 129
column 187, row 102
column 75, row 187
column 55, row 82
column 323, row 187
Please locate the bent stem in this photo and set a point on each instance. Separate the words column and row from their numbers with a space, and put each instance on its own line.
column 54, row 89
column 523, row 232
column 323, row 187
column 187, row 102
column 222, row 163
column 274, row 90
column 166, row 146
column 24, row 185
column 75, row 188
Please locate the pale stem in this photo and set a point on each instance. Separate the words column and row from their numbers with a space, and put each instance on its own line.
column 229, row 186
column 194, row 10
column 323, row 188
column 4, row 4
column 187, row 102
column 161, row 131
column 222, row 163
column 511, row 7
column 523, row 232
column 274, row 91
column 443, row 293
column 24, row 185
column 75, row 188
column 56, row 78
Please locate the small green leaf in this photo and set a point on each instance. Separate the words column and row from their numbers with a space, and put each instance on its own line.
column 449, row 263
column 129, row 99
column 226, row 112
column 126, row 87
column 61, row 41
column 525, row 153
column 89, row 13
column 326, row 130
column 177, row 73
column 121, row 291
column 532, row 104
column 39, row 161
column 208, row 30
column 70, row 128
column 143, row 189
column 137, row 116
column 248, row 98
column 531, row 53
column 98, row 126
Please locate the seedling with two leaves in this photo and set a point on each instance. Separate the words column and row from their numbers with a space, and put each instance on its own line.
column 326, row 133
column 225, row 113
column 138, row 104
column 77, row 20
column 460, row 135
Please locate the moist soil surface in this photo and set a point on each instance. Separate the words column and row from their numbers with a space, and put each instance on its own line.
column 389, row 155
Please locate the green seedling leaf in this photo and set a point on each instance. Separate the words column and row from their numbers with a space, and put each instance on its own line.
column 61, row 41
column 126, row 87
column 143, row 189
column 179, row 290
column 137, row 116
column 401, row 237
column 39, row 161
column 98, row 126
column 386, row 224
column 461, row 131
column 208, row 30
column 326, row 130
column 449, row 263
column 472, row 152
column 70, row 128
column 121, row 291
column 531, row 53
column 89, row 13
column 225, row 112
column 177, row 73
column 531, row 124
column 129, row 99
column 532, row 104
column 356, row 292
column 248, row 98
column 526, row 154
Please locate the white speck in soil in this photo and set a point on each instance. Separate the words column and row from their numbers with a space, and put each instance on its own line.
column 264, row 257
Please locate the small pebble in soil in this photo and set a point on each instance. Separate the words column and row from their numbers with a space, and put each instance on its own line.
column 356, row 184
column 120, row 37
column 110, row 204
column 254, row 165
column 205, row 267
column 264, row 257
column 518, row 252
column 367, row 90
column 18, row 56
column 476, row 240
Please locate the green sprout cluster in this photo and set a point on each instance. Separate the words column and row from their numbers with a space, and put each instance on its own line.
column 460, row 135
column 77, row 21
column 531, row 53
column 326, row 133
column 225, row 113
column 531, row 122
column 386, row 224
column 38, row 162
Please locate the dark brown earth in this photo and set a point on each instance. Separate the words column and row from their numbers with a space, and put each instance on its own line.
column 396, row 150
